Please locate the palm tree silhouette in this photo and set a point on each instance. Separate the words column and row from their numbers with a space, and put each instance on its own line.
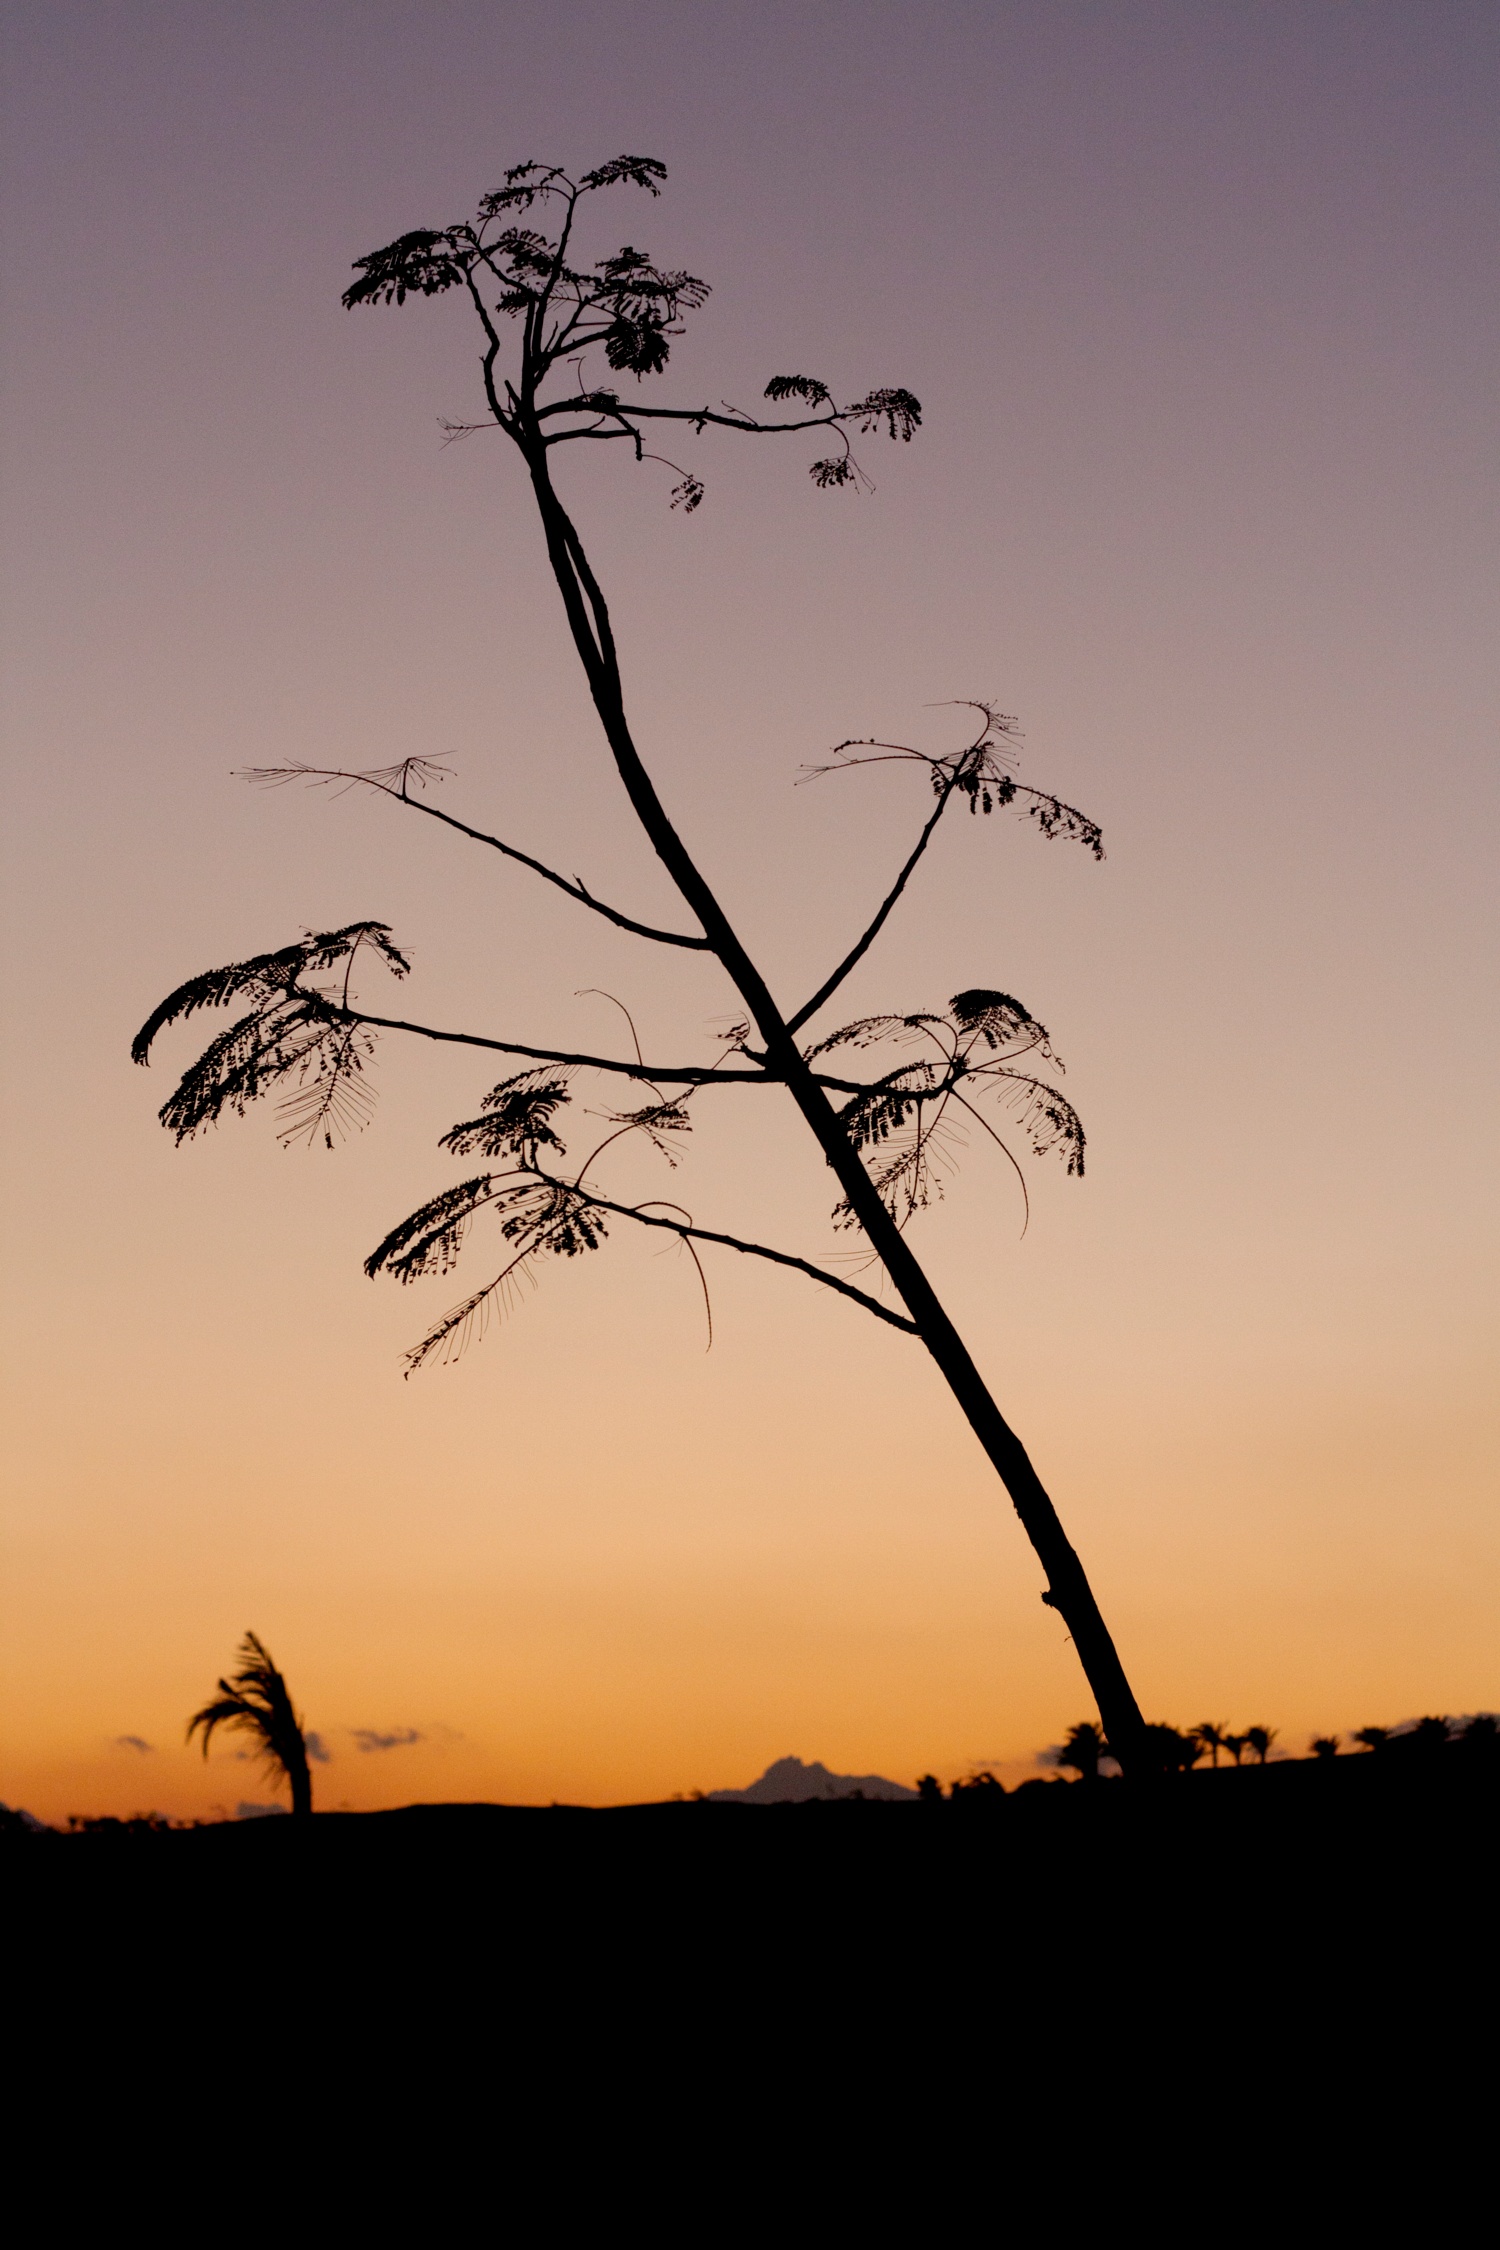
column 1372, row 1738
column 1082, row 1751
column 1325, row 1746
column 1213, row 1738
column 1260, row 1740
column 1235, row 1745
column 255, row 1701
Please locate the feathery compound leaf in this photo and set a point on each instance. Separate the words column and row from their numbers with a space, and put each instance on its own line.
column 1046, row 1116
column 640, row 171
column 523, row 184
column 869, row 1030
column 885, row 1107
column 638, row 347
column 330, row 1098
column 835, row 471
column 900, row 412
column 422, row 263
column 266, row 977
column 542, row 1216
column 292, row 1031
column 429, row 1241
column 518, row 1118
column 995, row 1016
column 656, row 1120
column 243, row 1063
column 799, row 386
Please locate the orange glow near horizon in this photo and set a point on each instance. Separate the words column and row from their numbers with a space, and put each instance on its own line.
column 1201, row 370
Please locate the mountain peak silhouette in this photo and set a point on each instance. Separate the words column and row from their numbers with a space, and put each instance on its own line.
column 790, row 1782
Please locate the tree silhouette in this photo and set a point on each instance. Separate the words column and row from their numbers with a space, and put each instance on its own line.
column 1212, row 1738
column 1426, row 1736
column 303, row 1034
column 1235, row 1744
column 979, row 1789
column 1172, row 1751
column 1082, row 1751
column 1260, row 1740
column 1325, row 1746
column 1372, row 1738
column 255, row 1701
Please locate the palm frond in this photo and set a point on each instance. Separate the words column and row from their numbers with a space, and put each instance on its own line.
column 254, row 1700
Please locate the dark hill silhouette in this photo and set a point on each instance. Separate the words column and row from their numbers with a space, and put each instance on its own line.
column 790, row 1782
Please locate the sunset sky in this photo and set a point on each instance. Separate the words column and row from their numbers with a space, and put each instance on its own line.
column 1198, row 299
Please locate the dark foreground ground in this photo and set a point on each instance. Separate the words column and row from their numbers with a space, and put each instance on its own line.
column 1358, row 1839
column 1096, row 1983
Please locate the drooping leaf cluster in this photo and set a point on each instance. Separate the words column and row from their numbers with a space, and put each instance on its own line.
column 295, row 1036
column 979, row 772
column 907, row 1122
column 516, row 1120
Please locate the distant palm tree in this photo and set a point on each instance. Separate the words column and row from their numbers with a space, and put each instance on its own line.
column 1372, row 1738
column 1325, row 1746
column 1212, row 1738
column 1235, row 1745
column 1260, row 1740
column 1082, row 1751
column 255, row 1701
column 1172, row 1751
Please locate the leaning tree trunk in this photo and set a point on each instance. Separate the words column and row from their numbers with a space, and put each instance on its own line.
column 299, row 1775
column 1068, row 1590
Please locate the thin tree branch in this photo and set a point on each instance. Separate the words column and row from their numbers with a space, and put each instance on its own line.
column 574, row 890
column 689, row 1075
column 697, row 415
column 852, row 959
column 754, row 1250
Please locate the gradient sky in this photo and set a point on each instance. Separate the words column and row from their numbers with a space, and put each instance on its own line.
column 1199, row 302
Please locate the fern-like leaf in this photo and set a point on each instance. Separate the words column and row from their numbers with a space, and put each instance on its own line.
column 900, row 412
column 640, row 171
column 799, row 386
column 266, row 977
column 517, row 1120
column 867, row 1031
column 429, row 1241
column 422, row 263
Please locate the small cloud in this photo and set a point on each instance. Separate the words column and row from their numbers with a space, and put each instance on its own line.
column 317, row 1749
column 400, row 1738
column 132, row 1742
column 243, row 1811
